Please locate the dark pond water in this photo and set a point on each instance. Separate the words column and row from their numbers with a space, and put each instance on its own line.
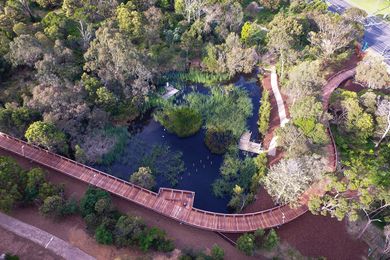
column 202, row 167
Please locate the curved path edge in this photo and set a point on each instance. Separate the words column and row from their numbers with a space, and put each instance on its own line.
column 177, row 204
column 42, row 238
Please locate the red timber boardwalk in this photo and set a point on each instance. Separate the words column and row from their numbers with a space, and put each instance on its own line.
column 176, row 204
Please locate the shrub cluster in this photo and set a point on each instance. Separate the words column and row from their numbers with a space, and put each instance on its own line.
column 112, row 227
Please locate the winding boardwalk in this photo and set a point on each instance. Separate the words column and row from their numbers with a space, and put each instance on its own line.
column 177, row 204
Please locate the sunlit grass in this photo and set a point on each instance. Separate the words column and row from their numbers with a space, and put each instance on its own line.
column 372, row 6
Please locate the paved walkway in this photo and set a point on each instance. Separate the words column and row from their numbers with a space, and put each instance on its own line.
column 281, row 110
column 42, row 238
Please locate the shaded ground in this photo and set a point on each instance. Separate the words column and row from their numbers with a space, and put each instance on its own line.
column 322, row 236
column 23, row 248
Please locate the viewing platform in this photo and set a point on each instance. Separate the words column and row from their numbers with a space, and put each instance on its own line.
column 245, row 144
column 169, row 91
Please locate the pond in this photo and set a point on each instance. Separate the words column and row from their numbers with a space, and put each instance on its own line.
column 201, row 166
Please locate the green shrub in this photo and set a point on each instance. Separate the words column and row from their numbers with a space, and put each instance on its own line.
column 155, row 238
column 261, row 165
column 89, row 200
column 217, row 253
column 128, row 230
column 313, row 130
column 245, row 243
column 56, row 207
column 259, row 236
column 218, row 141
column 272, row 240
column 9, row 256
column 183, row 121
column 103, row 235
column 53, row 206
column 264, row 112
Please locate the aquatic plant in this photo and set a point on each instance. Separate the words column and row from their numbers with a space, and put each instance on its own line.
column 181, row 120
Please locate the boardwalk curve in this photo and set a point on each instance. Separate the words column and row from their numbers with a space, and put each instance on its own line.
column 176, row 204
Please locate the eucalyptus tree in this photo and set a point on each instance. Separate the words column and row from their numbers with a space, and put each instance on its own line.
column 334, row 33
column 373, row 72
column 120, row 66
column 287, row 180
column 283, row 35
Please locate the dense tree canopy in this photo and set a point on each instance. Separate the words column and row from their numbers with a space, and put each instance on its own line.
column 373, row 72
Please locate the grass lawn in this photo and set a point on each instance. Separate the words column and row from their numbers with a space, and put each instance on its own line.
column 372, row 6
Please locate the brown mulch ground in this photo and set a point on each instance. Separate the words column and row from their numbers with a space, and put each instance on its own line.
column 24, row 248
column 317, row 236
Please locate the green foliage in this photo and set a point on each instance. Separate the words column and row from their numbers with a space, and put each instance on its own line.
column 245, row 243
column 217, row 253
column 106, row 99
column 226, row 108
column 197, row 76
column 89, row 200
column 357, row 121
column 218, row 141
column 103, row 235
column 271, row 240
column 9, row 256
column 120, row 135
column 181, row 120
column 315, row 131
column 57, row 25
column 252, row 34
column 12, row 184
column 264, row 112
column 231, row 57
column 47, row 135
column 128, row 230
column 236, row 180
column 143, row 177
column 129, row 19
column 34, row 182
column 259, row 237
column 155, row 238
column 15, row 120
column 52, row 206
column 261, row 165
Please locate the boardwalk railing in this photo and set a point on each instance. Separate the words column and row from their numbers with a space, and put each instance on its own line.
column 176, row 204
